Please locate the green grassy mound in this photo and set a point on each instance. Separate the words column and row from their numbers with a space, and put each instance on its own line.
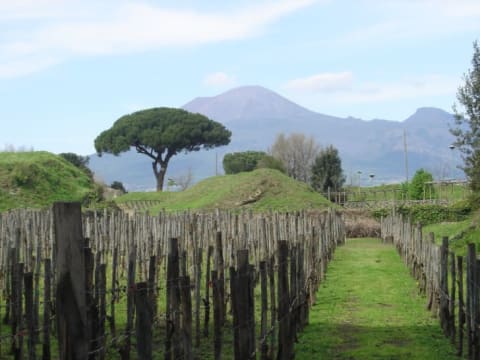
column 259, row 190
column 460, row 233
column 37, row 179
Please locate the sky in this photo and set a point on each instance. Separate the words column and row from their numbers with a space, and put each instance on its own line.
column 69, row 69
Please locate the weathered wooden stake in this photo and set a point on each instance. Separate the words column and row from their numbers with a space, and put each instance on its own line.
column 70, row 306
column 143, row 321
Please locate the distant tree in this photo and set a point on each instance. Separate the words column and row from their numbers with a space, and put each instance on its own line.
column 237, row 162
column 184, row 181
column 327, row 170
column 297, row 153
column 467, row 130
column 78, row 161
column 269, row 162
column 118, row 185
column 160, row 134
column 416, row 187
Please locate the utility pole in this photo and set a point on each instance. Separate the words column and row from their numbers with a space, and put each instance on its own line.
column 406, row 153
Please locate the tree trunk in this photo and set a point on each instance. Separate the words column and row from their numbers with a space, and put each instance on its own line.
column 159, row 170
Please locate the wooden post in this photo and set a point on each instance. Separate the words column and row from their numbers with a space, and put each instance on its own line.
column 451, row 302
column 47, row 303
column 233, row 284
column 70, row 286
column 471, row 275
column 293, row 292
column 114, row 292
column 444, row 313
column 102, row 310
column 284, row 341
column 217, row 316
column 273, row 317
column 219, row 266
column 28, row 278
column 152, row 287
column 131, row 272
column 143, row 322
column 36, row 294
column 198, row 280
column 243, row 305
column 186, row 300
column 92, row 313
column 207, row 292
column 264, row 310
column 173, row 300
column 461, row 304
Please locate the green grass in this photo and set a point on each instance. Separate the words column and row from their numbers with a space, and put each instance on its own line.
column 278, row 192
column 459, row 233
column 369, row 308
column 37, row 179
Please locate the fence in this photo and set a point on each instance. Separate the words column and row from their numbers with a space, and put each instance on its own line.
column 451, row 283
column 105, row 285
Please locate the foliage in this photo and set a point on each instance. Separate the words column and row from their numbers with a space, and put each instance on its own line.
column 234, row 163
column 327, row 170
column 269, row 162
column 278, row 192
column 161, row 133
column 79, row 161
column 474, row 200
column 468, row 122
column 118, row 185
column 37, row 179
column 430, row 214
column 416, row 188
column 297, row 153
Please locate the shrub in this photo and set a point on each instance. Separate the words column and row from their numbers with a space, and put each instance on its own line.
column 269, row 162
column 235, row 163
column 430, row 214
column 417, row 185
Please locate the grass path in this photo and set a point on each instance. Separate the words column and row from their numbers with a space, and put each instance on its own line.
column 369, row 308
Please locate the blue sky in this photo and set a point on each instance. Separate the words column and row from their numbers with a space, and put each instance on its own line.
column 69, row 69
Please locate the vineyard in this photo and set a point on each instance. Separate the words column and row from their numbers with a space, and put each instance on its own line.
column 450, row 282
column 106, row 285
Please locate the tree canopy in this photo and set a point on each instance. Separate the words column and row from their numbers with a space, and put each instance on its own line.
column 234, row 163
column 296, row 152
column 416, row 188
column 467, row 120
column 327, row 170
column 161, row 133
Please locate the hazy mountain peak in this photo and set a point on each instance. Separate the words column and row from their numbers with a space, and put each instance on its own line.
column 429, row 116
column 252, row 102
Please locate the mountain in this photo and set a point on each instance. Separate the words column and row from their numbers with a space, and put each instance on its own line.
column 255, row 115
column 245, row 103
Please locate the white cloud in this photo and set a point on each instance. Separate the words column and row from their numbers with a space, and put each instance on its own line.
column 324, row 82
column 219, row 79
column 26, row 66
column 414, row 19
column 352, row 92
column 128, row 27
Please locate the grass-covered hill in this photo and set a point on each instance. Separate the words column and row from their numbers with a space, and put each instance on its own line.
column 37, row 179
column 259, row 190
